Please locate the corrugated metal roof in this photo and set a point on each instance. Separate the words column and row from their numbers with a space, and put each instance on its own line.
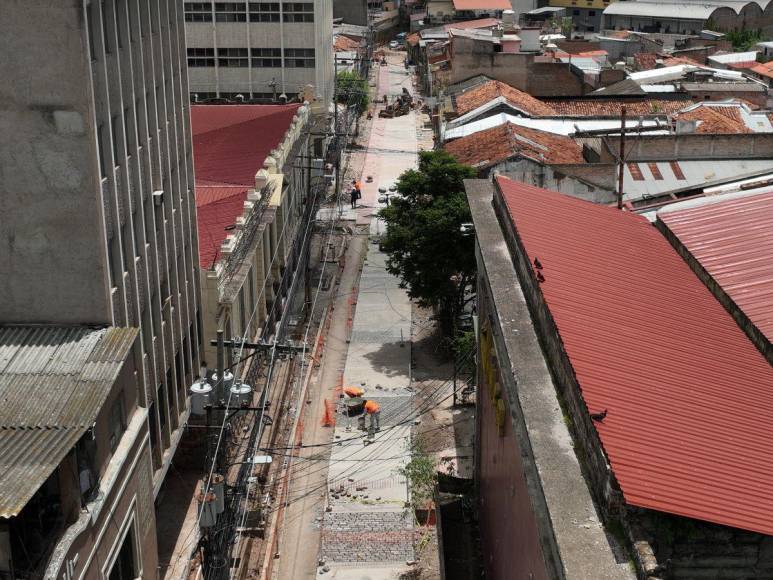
column 688, row 397
column 733, row 241
column 680, row 175
column 53, row 381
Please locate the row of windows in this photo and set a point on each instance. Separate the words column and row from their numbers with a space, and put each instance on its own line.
column 261, row 57
column 258, row 12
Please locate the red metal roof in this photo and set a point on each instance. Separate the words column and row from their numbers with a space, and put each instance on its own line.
column 230, row 144
column 689, row 400
column 224, row 206
column 733, row 241
column 482, row 5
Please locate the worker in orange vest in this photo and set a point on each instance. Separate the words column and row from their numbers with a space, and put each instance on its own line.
column 373, row 409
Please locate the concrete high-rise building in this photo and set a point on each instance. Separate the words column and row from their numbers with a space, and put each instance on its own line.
column 97, row 211
column 259, row 50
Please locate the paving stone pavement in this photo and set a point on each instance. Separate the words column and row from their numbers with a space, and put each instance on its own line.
column 367, row 537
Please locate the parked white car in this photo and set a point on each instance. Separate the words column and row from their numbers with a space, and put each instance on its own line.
column 394, row 45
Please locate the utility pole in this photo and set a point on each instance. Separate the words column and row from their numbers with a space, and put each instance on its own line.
column 621, row 173
column 335, row 127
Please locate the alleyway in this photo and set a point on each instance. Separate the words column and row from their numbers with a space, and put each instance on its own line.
column 347, row 512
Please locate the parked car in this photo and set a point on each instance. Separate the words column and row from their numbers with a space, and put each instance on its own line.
column 394, row 45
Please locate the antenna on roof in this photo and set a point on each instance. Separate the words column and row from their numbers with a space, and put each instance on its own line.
column 621, row 173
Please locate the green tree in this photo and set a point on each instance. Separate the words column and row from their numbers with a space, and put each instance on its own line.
column 743, row 40
column 421, row 473
column 352, row 89
column 425, row 245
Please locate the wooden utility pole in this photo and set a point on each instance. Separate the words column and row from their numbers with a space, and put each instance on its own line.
column 621, row 173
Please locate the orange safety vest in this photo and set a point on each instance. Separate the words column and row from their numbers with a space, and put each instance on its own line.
column 372, row 407
column 358, row 185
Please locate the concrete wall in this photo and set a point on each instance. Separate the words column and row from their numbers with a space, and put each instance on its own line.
column 509, row 534
column 53, row 260
column 471, row 58
column 352, row 11
column 700, row 146
column 564, row 178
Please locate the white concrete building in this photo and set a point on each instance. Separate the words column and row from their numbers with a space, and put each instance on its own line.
column 259, row 50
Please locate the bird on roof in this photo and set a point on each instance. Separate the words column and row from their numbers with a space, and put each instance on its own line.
column 537, row 264
column 599, row 416
column 540, row 277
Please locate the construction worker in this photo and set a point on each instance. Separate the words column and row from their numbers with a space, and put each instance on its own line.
column 373, row 409
column 354, row 391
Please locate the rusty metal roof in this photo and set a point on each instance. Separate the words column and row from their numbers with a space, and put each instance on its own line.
column 689, row 418
column 733, row 241
column 53, row 381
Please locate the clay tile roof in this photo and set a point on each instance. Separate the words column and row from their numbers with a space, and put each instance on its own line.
column 716, row 120
column 230, row 144
column 765, row 70
column 345, row 44
column 489, row 91
column 491, row 146
column 645, row 60
column 689, row 413
column 612, row 107
column 676, row 60
column 621, row 34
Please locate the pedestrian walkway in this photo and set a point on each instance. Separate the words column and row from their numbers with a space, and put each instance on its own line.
column 366, row 525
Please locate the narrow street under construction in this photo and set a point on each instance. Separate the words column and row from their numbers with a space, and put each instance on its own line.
column 308, row 492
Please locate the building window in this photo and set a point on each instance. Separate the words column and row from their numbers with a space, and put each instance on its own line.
column 299, row 57
column 198, row 11
column 232, row 57
column 114, row 129
column 591, row 13
column 90, row 26
column 266, row 57
column 101, row 150
column 264, row 11
column 230, row 12
column 201, row 57
column 576, row 12
column 298, row 12
column 117, row 421
column 105, row 37
column 125, row 565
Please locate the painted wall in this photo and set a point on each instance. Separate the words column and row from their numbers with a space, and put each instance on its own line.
column 509, row 534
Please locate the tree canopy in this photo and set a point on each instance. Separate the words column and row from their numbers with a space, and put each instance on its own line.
column 425, row 245
column 352, row 89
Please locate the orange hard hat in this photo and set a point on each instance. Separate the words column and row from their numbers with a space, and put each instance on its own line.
column 354, row 391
